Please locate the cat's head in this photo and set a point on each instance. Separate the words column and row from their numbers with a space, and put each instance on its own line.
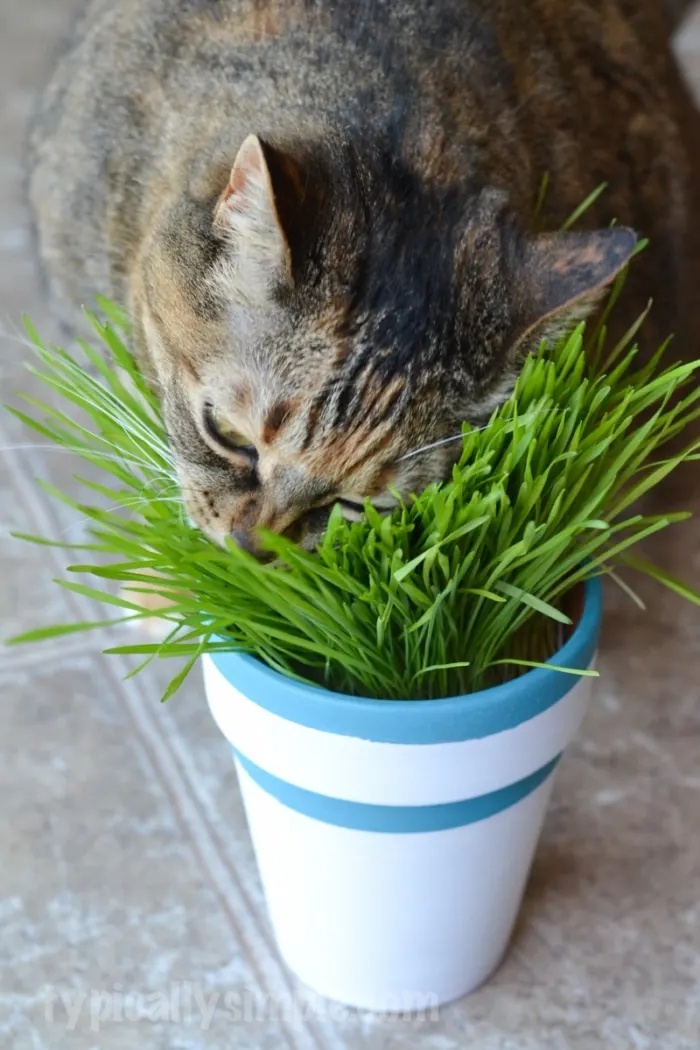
column 321, row 327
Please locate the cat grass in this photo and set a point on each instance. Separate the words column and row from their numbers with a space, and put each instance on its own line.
column 461, row 587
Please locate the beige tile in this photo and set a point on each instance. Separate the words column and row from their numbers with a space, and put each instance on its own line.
column 101, row 889
column 126, row 866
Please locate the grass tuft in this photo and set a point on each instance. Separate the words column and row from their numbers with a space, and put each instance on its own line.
column 461, row 587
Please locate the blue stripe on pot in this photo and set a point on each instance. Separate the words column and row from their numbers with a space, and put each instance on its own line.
column 456, row 718
column 362, row 816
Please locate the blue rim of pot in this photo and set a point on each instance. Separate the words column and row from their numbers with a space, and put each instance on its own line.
column 469, row 717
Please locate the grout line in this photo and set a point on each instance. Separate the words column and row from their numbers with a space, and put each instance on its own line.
column 243, row 924
column 222, row 875
column 257, row 929
column 327, row 1029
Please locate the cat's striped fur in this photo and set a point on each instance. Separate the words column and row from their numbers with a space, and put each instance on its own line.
column 320, row 214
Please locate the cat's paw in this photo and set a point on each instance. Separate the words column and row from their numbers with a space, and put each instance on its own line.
column 155, row 626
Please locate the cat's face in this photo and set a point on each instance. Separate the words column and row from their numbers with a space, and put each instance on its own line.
column 319, row 336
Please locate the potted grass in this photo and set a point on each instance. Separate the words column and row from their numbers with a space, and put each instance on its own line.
column 397, row 701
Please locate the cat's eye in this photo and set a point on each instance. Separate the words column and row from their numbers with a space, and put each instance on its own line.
column 221, row 430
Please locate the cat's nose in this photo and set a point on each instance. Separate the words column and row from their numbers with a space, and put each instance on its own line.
column 243, row 539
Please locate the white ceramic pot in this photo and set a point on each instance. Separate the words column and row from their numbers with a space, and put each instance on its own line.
column 394, row 838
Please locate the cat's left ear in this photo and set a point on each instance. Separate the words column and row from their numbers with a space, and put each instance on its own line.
column 563, row 276
column 250, row 213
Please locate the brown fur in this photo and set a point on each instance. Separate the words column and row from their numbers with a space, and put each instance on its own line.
column 321, row 218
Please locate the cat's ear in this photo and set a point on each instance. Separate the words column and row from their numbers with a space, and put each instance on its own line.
column 249, row 214
column 564, row 275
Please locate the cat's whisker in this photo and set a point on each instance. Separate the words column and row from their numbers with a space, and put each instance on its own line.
column 428, row 448
column 122, row 460
column 141, row 434
column 138, row 500
column 103, row 400
column 74, row 450
column 127, row 504
column 460, row 436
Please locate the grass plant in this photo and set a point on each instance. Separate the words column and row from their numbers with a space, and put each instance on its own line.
column 460, row 587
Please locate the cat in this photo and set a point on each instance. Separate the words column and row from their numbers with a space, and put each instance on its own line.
column 321, row 217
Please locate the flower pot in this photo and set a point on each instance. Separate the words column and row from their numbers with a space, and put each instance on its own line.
column 394, row 838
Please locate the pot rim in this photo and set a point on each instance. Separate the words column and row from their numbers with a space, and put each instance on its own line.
column 469, row 716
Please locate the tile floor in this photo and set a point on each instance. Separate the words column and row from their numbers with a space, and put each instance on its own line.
column 130, row 910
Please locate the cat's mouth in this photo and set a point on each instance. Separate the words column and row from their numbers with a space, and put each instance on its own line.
column 307, row 530
column 315, row 521
column 352, row 510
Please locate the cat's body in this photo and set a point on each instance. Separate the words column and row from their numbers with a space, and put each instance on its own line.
column 360, row 281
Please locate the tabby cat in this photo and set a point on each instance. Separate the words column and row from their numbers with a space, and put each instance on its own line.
column 320, row 214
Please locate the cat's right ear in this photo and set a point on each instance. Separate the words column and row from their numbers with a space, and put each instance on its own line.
column 249, row 214
column 561, row 277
